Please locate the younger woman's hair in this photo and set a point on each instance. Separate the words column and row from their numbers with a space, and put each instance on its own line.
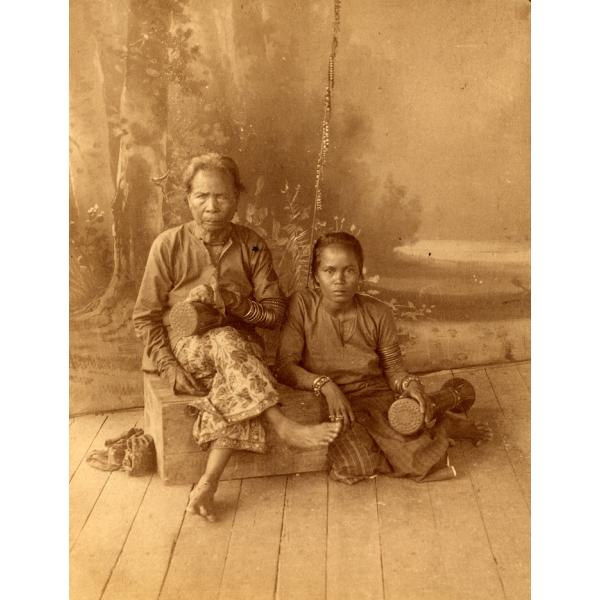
column 336, row 238
column 212, row 161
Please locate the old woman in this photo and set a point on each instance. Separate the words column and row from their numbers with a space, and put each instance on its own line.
column 228, row 267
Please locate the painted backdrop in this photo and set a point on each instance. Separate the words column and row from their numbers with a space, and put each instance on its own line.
column 428, row 159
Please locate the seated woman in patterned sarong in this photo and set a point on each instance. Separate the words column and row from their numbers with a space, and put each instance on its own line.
column 344, row 345
column 224, row 265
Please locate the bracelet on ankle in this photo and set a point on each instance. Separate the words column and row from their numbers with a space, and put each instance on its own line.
column 318, row 383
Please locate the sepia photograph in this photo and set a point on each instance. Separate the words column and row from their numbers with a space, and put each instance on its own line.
column 299, row 299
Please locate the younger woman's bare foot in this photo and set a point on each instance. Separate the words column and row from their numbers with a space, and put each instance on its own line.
column 306, row 436
column 464, row 429
column 201, row 499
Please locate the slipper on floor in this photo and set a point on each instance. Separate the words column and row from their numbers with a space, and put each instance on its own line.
column 132, row 451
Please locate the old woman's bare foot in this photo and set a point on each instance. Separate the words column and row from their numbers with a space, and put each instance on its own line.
column 201, row 499
column 464, row 429
column 301, row 436
column 307, row 436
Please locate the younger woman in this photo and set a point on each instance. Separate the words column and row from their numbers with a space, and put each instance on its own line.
column 344, row 345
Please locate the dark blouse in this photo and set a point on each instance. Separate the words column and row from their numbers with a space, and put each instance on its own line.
column 314, row 340
column 180, row 261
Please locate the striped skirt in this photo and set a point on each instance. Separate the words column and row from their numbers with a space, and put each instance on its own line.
column 371, row 446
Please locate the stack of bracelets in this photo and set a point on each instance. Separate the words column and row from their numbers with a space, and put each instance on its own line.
column 267, row 313
column 391, row 358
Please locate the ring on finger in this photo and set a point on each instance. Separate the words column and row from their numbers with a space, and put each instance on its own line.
column 339, row 418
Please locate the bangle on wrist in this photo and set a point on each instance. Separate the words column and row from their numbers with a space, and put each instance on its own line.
column 406, row 381
column 318, row 383
column 251, row 312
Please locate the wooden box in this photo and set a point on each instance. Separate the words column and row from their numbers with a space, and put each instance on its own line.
column 180, row 460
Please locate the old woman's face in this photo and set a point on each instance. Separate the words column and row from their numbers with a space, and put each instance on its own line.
column 212, row 199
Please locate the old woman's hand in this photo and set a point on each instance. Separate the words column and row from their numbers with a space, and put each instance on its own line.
column 183, row 382
column 202, row 293
column 234, row 302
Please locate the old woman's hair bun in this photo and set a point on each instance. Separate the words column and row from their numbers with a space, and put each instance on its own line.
column 213, row 161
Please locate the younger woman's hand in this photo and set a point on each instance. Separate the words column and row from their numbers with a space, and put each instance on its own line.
column 416, row 392
column 338, row 404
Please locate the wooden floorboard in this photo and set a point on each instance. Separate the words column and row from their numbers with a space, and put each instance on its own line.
column 499, row 472
column 505, row 515
column 95, row 553
column 462, row 540
column 412, row 564
column 434, row 381
column 513, row 434
column 81, row 436
column 513, row 422
column 302, row 557
column 251, row 565
column 87, row 483
column 153, row 534
column 353, row 548
column 198, row 559
column 511, row 391
column 525, row 372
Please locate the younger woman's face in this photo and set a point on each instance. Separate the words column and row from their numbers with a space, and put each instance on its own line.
column 338, row 274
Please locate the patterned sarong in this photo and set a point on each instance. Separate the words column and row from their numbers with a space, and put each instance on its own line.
column 242, row 388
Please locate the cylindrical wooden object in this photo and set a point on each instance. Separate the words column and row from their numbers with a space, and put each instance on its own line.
column 193, row 318
column 456, row 395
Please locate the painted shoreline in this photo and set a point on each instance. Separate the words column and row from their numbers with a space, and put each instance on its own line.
column 461, row 252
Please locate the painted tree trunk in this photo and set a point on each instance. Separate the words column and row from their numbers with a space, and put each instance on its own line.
column 137, row 205
column 220, row 58
column 89, row 158
column 110, row 27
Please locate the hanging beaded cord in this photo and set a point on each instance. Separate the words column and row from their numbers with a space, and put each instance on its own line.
column 318, row 205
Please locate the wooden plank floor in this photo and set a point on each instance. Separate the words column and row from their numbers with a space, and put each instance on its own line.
column 303, row 536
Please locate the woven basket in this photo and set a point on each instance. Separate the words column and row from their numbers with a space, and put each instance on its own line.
column 405, row 416
column 193, row 318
